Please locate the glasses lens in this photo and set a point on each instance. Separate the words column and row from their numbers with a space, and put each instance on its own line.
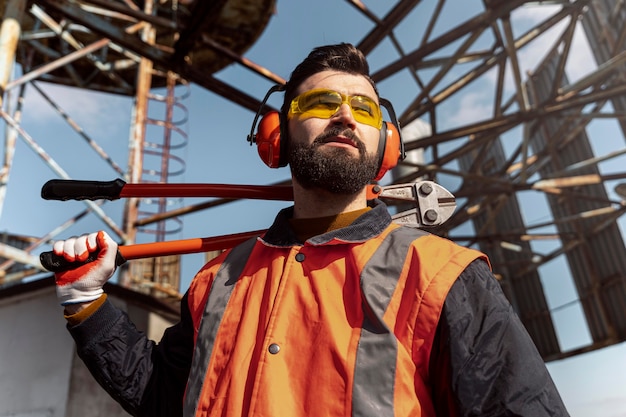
column 365, row 110
column 325, row 103
column 319, row 103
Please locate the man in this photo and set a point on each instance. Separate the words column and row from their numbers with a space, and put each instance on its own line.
column 335, row 311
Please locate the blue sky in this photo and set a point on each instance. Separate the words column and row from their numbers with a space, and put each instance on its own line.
column 217, row 152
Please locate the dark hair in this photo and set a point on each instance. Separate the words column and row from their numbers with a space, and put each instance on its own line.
column 343, row 57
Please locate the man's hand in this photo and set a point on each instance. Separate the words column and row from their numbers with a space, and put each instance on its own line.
column 84, row 283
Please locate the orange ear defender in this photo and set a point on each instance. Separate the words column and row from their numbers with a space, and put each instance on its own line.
column 268, row 141
column 270, row 147
column 390, row 145
column 272, row 150
column 388, row 149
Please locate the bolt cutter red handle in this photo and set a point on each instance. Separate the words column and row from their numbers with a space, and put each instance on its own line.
column 55, row 263
column 112, row 190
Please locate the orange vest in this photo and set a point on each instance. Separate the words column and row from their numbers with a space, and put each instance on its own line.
column 333, row 329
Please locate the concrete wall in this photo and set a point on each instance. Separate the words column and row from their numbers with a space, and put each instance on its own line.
column 36, row 354
column 40, row 373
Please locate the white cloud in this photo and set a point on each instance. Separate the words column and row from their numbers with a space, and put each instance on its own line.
column 580, row 61
column 472, row 107
column 92, row 111
column 534, row 14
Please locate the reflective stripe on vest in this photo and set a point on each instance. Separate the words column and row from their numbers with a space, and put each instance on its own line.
column 374, row 376
column 222, row 287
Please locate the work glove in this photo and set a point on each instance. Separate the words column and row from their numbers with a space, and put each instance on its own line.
column 84, row 283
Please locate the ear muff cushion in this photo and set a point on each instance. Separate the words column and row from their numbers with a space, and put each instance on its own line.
column 390, row 141
column 268, row 140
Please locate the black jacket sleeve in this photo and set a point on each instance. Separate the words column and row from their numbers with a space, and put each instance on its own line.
column 484, row 362
column 146, row 378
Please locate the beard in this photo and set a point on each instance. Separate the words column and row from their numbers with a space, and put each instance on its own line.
column 335, row 170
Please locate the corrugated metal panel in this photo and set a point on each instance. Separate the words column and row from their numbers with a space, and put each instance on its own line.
column 159, row 277
column 524, row 291
column 598, row 255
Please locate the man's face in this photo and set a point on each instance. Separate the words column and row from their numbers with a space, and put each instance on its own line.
column 338, row 154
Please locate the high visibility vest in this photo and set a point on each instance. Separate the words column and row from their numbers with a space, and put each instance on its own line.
column 335, row 329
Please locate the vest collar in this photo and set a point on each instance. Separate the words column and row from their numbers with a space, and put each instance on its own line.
column 365, row 227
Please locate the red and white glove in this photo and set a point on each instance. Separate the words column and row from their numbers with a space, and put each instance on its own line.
column 84, row 283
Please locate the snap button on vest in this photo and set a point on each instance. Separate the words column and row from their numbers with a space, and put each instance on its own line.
column 300, row 257
column 274, row 348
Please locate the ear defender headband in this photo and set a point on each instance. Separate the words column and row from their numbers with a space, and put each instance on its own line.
column 273, row 150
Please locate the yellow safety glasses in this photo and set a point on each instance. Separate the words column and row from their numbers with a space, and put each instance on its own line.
column 325, row 104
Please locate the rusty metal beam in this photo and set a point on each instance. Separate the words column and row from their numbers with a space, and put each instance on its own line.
column 376, row 35
column 477, row 23
column 160, row 57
